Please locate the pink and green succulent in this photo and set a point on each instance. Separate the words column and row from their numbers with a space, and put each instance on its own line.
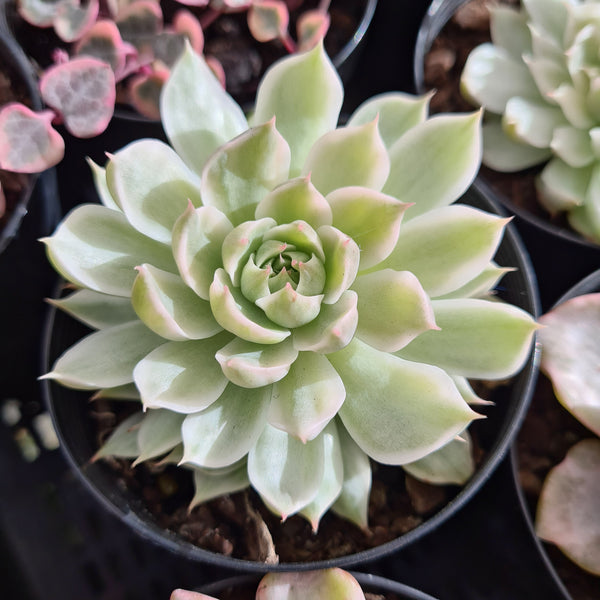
column 289, row 300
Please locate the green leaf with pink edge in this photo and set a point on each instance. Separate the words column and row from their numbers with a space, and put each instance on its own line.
column 74, row 18
column 28, row 143
column 571, row 355
column 397, row 411
column 180, row 594
column 139, row 22
column 348, row 156
column 393, row 309
column 145, row 90
column 40, row 13
column 184, row 377
column 333, row 584
column 268, row 20
column 212, row 483
column 311, row 28
column 83, row 92
column 223, row 433
column 567, row 512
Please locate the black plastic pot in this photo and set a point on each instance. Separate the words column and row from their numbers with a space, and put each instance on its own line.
column 69, row 409
column 560, row 256
column 368, row 582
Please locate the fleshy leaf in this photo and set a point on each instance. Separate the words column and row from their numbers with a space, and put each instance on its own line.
column 255, row 365
column 39, row 12
column 99, row 175
column 482, row 285
column 28, row 143
column 83, row 92
column 477, row 338
column 139, row 23
column 169, row 307
column 393, row 309
column 307, row 398
column 127, row 391
column 532, row 122
column 571, row 354
column 562, row 187
column 97, row 310
column 573, row 145
column 180, row 594
column 95, row 247
column 397, row 411
column 286, row 92
column 199, row 118
column 105, row 358
column 73, row 18
column 154, row 192
column 123, row 441
column 311, row 28
column 567, row 513
column 450, row 146
column 268, row 20
column 287, row 308
column 224, row 432
column 370, row 218
column 103, row 41
column 447, row 247
column 159, row 432
column 239, row 174
column 348, row 156
column 284, row 471
column 184, row 377
column 508, row 29
column 212, row 483
column 145, row 90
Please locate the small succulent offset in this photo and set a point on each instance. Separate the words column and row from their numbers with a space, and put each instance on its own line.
column 256, row 290
column 568, row 514
column 539, row 81
column 325, row 584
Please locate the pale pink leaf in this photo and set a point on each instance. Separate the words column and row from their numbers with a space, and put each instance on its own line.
column 83, row 92
column 186, row 23
column 311, row 29
column 73, row 18
column 28, row 143
column 144, row 92
column 268, row 20
column 189, row 595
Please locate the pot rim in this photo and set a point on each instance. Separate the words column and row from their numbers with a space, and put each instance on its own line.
column 435, row 19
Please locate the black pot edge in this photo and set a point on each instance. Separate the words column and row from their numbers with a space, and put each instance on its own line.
column 587, row 285
column 436, row 17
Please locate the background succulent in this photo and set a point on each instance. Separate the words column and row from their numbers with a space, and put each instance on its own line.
column 539, row 82
column 256, row 289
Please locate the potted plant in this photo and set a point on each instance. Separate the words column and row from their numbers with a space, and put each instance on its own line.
column 266, row 346
column 559, row 479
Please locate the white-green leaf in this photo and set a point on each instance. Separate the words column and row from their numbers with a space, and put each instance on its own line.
column 159, row 432
column 549, row 15
column 508, row 29
column 531, row 122
column 573, row 145
column 209, row 483
column 482, row 285
column 287, row 308
column 99, row 175
column 562, row 187
column 123, row 441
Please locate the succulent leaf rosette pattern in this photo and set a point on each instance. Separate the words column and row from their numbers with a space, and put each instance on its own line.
column 289, row 299
column 539, row 81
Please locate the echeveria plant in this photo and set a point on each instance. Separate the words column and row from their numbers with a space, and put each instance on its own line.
column 539, row 81
column 568, row 513
column 253, row 286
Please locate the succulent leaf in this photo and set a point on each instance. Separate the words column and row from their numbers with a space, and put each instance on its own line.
column 74, row 18
column 101, row 185
column 123, row 441
column 212, row 483
column 159, row 432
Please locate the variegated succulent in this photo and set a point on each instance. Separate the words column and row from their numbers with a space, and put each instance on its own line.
column 539, row 81
column 255, row 289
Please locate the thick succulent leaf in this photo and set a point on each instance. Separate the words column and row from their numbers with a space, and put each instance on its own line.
column 96, row 247
column 333, row 328
column 73, row 18
column 127, row 391
column 353, row 501
column 152, row 192
column 573, row 145
column 123, row 441
column 268, row 20
column 506, row 155
column 548, row 74
column 307, row 398
column 182, row 376
column 480, row 286
column 284, row 471
column 342, row 256
column 296, row 200
column 450, row 146
column 39, row 12
column 446, row 248
column 567, row 513
column 451, row 464
column 169, row 307
column 574, row 106
column 209, row 484
column 224, row 432
column 586, row 218
column 549, row 15
column 393, row 309
column 99, row 176
column 300, row 235
column 96, row 310
column 184, row 22
column 477, row 338
column 348, row 156
column 139, row 23
column 287, row 308
column 333, row 584
column 180, row 594
column 240, row 173
column 159, row 432
column 370, row 218
column 468, row 393
column 397, row 411
column 311, row 28
column 103, row 41
column 144, row 92
column 241, row 317
column 83, row 92
column 571, row 354
column 28, row 143
column 509, row 30
column 105, row 358
column 491, row 77
column 562, row 187
column 396, row 113
column 199, row 118
column 287, row 92
column 198, row 237
column 532, row 122
column 255, row 365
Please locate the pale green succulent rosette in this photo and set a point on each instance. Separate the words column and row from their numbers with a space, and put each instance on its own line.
column 289, row 300
column 539, row 81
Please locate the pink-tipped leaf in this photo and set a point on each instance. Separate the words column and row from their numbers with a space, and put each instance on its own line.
column 268, row 20
column 74, row 18
column 311, row 28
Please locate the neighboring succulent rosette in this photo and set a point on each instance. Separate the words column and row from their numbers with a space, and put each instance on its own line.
column 539, row 81
column 290, row 300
